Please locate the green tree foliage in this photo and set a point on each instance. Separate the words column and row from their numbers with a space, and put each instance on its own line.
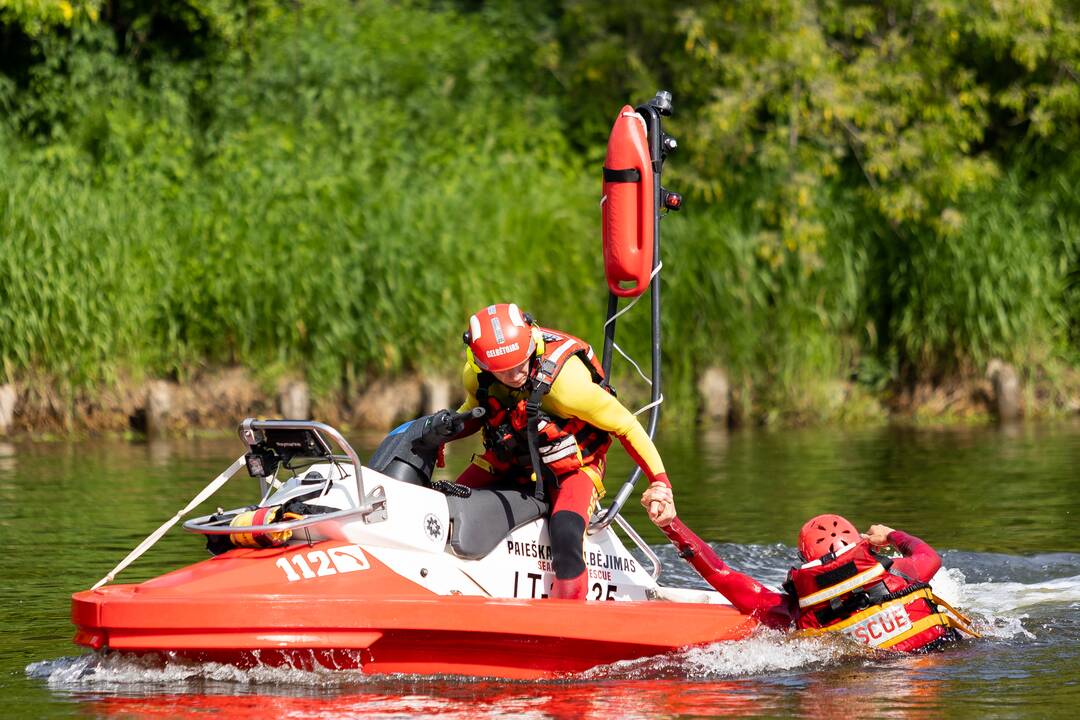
column 883, row 191
column 35, row 17
column 914, row 105
column 337, row 199
column 867, row 146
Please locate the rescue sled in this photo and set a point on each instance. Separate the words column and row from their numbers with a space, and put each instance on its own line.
column 374, row 567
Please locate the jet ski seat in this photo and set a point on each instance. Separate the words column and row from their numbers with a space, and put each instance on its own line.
column 478, row 523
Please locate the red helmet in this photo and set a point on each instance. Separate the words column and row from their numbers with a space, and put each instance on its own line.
column 825, row 534
column 500, row 337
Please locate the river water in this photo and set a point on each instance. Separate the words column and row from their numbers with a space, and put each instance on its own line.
column 1000, row 503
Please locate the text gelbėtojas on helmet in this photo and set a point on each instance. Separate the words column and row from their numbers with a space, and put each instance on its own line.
column 500, row 337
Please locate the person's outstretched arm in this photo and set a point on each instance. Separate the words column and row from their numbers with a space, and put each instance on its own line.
column 574, row 394
column 744, row 592
column 919, row 562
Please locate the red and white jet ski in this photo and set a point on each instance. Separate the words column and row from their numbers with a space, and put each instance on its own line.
column 372, row 567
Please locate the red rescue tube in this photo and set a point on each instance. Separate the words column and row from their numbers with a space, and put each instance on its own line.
column 628, row 211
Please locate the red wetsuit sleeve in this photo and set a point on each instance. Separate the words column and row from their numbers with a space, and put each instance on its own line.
column 744, row 592
column 920, row 561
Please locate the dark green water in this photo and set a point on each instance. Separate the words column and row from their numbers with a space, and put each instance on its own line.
column 1000, row 504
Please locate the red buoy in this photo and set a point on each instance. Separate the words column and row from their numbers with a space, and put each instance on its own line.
column 627, row 204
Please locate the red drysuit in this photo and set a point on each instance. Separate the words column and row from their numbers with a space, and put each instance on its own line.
column 778, row 609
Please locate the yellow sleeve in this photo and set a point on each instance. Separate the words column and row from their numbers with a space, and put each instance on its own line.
column 471, row 381
column 574, row 394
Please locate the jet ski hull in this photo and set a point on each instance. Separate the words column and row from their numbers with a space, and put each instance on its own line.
column 240, row 608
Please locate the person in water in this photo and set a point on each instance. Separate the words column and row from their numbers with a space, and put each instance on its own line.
column 545, row 384
column 842, row 585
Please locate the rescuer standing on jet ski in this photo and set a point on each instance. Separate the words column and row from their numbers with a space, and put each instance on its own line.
column 842, row 585
column 549, row 412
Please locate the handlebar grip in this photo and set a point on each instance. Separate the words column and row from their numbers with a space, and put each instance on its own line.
column 446, row 423
column 476, row 412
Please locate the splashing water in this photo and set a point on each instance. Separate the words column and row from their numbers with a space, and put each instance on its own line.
column 120, row 669
column 999, row 610
column 765, row 651
column 994, row 598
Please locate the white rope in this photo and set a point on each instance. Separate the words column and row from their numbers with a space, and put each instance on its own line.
column 631, row 361
column 650, row 405
column 146, row 544
column 652, row 275
column 655, row 272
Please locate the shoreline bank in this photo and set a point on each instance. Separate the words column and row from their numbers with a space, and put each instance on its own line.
column 216, row 399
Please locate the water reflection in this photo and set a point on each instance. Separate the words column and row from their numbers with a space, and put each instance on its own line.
column 900, row 694
column 7, row 459
column 554, row 702
column 159, row 452
column 1010, row 490
column 901, row 689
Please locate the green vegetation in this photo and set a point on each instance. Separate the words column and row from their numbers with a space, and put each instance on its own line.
column 880, row 195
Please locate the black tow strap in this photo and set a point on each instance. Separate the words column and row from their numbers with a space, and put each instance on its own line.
column 543, row 378
column 841, row 609
column 622, row 176
column 532, row 414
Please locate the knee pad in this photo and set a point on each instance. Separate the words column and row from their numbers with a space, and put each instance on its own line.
column 567, row 532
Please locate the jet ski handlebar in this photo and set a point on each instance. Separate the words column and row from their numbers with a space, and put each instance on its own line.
column 446, row 424
column 410, row 452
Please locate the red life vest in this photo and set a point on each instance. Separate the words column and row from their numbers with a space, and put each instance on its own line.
column 853, row 591
column 566, row 444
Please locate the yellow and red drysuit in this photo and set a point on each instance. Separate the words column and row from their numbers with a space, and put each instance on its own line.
column 578, row 416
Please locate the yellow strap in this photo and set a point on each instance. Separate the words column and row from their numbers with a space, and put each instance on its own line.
column 917, row 627
column 597, row 480
column 842, row 587
column 863, row 614
column 481, row 463
column 960, row 621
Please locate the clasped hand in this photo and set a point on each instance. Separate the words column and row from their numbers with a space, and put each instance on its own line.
column 659, row 501
column 877, row 535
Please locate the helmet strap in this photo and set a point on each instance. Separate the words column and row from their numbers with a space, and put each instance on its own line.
column 470, row 360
